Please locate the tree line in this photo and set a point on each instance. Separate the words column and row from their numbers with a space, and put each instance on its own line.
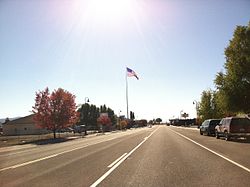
column 89, row 115
column 57, row 110
column 232, row 85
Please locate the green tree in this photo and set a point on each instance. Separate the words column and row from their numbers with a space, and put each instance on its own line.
column 88, row 116
column 218, row 101
column 103, row 108
column 207, row 105
column 211, row 105
column 90, row 113
column 93, row 115
column 158, row 120
column 112, row 116
column 234, row 84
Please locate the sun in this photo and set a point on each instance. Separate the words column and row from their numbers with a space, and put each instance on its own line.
column 110, row 8
column 111, row 11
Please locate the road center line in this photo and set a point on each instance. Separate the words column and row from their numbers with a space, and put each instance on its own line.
column 111, row 165
column 105, row 175
column 227, row 159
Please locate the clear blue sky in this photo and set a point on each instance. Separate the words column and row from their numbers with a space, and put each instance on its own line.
column 175, row 46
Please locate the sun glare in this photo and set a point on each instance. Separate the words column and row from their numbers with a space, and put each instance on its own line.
column 110, row 10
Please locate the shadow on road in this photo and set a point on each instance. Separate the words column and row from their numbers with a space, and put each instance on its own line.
column 239, row 140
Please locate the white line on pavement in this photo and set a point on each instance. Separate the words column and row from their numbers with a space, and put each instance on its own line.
column 51, row 156
column 122, row 160
column 229, row 160
column 40, row 159
column 111, row 165
column 33, row 161
column 30, row 162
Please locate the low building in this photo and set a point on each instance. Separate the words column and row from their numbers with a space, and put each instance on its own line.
column 22, row 126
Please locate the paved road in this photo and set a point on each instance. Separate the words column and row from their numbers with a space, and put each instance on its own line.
column 159, row 156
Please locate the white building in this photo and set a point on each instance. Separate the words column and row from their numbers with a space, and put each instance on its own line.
column 22, row 126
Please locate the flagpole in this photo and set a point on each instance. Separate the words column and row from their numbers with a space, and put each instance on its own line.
column 127, row 93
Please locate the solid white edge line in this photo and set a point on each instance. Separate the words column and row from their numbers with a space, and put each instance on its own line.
column 44, row 158
column 225, row 158
column 98, row 181
column 113, row 163
column 30, row 162
column 33, row 161
column 50, row 156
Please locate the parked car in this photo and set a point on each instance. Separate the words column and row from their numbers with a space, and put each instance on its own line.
column 233, row 127
column 67, row 129
column 208, row 126
column 79, row 129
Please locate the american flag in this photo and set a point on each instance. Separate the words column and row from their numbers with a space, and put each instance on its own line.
column 131, row 73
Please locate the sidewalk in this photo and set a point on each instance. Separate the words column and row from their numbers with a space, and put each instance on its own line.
column 9, row 143
column 6, row 141
column 189, row 128
column 23, row 141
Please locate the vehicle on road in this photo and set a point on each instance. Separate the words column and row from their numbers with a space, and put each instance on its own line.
column 233, row 127
column 208, row 126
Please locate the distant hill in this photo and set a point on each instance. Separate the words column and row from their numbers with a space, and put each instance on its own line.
column 2, row 120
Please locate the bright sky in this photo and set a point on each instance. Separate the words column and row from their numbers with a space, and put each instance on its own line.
column 175, row 46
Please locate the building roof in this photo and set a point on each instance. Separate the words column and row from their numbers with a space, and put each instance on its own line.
column 23, row 120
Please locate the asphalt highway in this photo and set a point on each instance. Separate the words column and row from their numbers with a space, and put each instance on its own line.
column 158, row 156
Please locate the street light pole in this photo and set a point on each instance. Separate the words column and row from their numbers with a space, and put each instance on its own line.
column 180, row 113
column 86, row 100
column 119, row 119
column 196, row 107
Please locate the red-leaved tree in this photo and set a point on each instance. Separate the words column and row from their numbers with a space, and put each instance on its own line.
column 104, row 121
column 56, row 110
